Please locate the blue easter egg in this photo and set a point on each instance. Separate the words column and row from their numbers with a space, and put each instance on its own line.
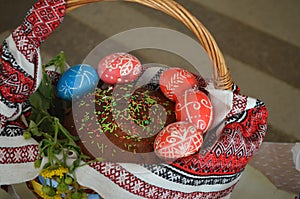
column 77, row 81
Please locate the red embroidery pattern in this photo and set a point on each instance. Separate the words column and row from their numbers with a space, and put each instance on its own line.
column 238, row 105
column 17, row 155
column 13, row 129
column 134, row 185
column 24, row 44
column 3, row 121
column 26, row 109
column 54, row 76
column 15, row 86
column 232, row 151
column 256, row 117
column 39, row 23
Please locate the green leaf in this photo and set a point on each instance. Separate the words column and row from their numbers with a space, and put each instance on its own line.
column 48, row 164
column 34, row 129
column 76, row 195
column 58, row 61
column 42, row 100
column 40, row 105
column 46, row 89
column 62, row 187
column 68, row 180
column 37, row 163
column 75, row 164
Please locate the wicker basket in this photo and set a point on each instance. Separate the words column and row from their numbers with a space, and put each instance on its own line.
column 221, row 75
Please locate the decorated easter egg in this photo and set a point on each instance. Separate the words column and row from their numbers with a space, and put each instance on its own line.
column 195, row 107
column 174, row 81
column 178, row 140
column 119, row 68
column 77, row 81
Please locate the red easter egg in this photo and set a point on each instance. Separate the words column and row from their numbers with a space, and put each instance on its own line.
column 178, row 140
column 174, row 81
column 119, row 68
column 195, row 107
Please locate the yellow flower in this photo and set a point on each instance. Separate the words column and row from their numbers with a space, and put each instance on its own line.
column 50, row 172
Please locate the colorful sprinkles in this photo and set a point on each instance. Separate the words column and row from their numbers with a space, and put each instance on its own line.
column 132, row 122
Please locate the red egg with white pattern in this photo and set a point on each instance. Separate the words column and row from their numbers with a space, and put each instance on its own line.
column 178, row 140
column 119, row 68
column 195, row 107
column 174, row 81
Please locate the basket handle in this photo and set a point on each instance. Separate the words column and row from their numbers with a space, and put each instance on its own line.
column 222, row 77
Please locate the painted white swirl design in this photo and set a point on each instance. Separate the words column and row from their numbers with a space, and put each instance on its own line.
column 206, row 103
column 190, row 108
column 201, row 124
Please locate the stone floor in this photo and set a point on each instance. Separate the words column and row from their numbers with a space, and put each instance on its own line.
column 259, row 39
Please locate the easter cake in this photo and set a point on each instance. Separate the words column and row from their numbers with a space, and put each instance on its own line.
column 132, row 118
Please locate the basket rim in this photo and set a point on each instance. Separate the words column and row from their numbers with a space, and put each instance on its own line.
column 221, row 74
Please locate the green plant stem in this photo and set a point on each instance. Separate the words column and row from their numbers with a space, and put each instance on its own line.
column 58, row 161
column 50, row 156
column 42, row 149
column 42, row 120
column 50, row 183
column 56, row 124
column 65, row 157
column 66, row 133
column 75, row 181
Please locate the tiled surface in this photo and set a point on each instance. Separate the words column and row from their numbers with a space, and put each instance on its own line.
column 260, row 41
column 280, row 169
